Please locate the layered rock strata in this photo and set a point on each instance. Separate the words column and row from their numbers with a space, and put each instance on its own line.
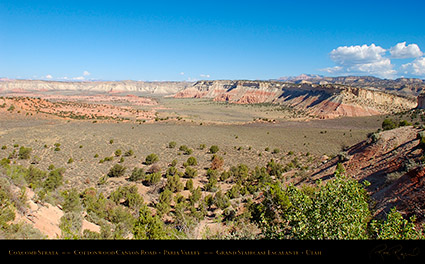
column 320, row 100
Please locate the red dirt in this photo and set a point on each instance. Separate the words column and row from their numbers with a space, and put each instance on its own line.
column 393, row 167
column 99, row 107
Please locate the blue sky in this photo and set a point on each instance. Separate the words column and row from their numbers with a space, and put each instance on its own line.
column 193, row 40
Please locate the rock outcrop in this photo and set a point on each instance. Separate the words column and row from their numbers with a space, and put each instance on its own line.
column 421, row 101
column 319, row 100
column 391, row 162
column 162, row 88
column 405, row 86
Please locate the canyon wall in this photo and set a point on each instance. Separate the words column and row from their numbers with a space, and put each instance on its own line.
column 320, row 100
column 94, row 86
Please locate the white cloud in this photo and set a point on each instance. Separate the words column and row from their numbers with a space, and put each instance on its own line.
column 357, row 54
column 401, row 51
column 205, row 75
column 361, row 60
column 79, row 78
column 48, row 76
column 416, row 67
column 86, row 73
column 335, row 69
column 382, row 68
column 181, row 73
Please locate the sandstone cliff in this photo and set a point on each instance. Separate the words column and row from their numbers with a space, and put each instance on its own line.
column 405, row 86
column 320, row 100
column 95, row 86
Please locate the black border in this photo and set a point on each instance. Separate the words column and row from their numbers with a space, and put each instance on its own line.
column 376, row 251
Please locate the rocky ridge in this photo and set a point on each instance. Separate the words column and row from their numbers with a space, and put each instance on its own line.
column 318, row 100
column 161, row 88
column 314, row 95
column 404, row 86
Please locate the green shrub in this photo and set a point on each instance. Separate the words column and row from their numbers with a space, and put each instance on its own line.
column 337, row 210
column 186, row 150
column 274, row 168
column 116, row 171
column 191, row 161
column 70, row 225
column 129, row 153
column 34, row 176
column 108, row 158
column 388, row 124
column 190, row 172
column 138, row 174
column 54, row 180
column 211, row 186
column 71, row 201
column 396, row 228
column 164, row 204
column 171, row 171
column 195, row 195
column 221, row 200
column 214, row 149
column 128, row 196
column 118, row 152
column 189, row 185
column 172, row 144
column 149, row 227
column 152, row 179
column 7, row 210
column 151, row 159
column 225, row 175
column 24, row 153
column 173, row 183
column 240, row 173
column 404, row 123
column 234, row 192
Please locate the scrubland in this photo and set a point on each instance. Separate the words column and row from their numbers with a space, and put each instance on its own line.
column 196, row 169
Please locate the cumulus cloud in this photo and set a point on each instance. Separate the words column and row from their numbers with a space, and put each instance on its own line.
column 48, row 76
column 336, row 69
column 401, row 51
column 181, row 73
column 364, row 59
column 416, row 67
column 86, row 73
column 375, row 60
column 205, row 75
column 79, row 78
column 351, row 55
column 382, row 68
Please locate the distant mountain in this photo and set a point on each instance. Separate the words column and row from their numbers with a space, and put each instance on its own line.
column 300, row 77
column 405, row 86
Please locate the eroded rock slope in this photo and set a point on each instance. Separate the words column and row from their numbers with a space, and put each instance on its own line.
column 318, row 100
